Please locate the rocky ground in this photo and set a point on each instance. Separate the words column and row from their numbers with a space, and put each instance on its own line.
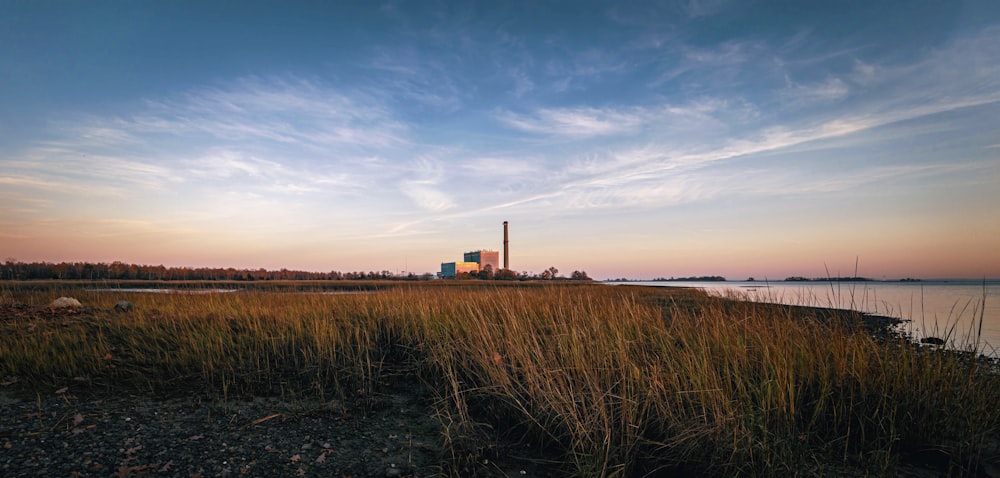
column 61, row 433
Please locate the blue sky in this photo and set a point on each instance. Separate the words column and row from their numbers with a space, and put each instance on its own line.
column 636, row 139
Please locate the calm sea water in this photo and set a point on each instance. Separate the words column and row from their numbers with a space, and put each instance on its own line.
column 934, row 308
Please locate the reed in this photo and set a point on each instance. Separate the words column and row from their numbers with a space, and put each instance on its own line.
column 614, row 381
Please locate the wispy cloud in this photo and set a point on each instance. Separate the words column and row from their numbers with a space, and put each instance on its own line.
column 405, row 75
column 227, row 163
column 499, row 168
column 30, row 182
column 426, row 194
column 660, row 174
column 625, row 121
column 253, row 156
column 281, row 110
column 18, row 205
column 522, row 82
column 582, row 68
column 700, row 8
column 282, row 134
column 706, row 67
column 423, row 185
column 63, row 167
column 576, row 122
column 688, row 168
column 730, row 53
column 797, row 94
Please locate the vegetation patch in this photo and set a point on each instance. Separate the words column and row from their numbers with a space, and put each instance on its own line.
column 593, row 379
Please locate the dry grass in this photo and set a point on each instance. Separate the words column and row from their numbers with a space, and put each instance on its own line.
column 614, row 381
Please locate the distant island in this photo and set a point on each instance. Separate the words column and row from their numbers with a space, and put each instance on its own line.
column 691, row 279
column 846, row 279
column 829, row 279
column 751, row 279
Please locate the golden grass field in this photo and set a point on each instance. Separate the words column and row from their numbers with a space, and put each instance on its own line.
column 614, row 381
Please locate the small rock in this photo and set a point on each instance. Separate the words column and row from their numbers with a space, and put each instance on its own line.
column 65, row 302
column 124, row 306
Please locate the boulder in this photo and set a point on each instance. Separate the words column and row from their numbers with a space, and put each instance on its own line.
column 65, row 302
column 932, row 341
column 124, row 306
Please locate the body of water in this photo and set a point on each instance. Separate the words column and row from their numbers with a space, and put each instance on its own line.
column 163, row 290
column 949, row 309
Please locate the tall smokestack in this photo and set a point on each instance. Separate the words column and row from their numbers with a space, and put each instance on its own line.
column 506, row 249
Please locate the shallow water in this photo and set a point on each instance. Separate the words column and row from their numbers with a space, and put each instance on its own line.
column 947, row 309
column 163, row 290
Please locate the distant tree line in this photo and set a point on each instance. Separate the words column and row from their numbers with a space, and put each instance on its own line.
column 14, row 270
column 487, row 273
column 691, row 279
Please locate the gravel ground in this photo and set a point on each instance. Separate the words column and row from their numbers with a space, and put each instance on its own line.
column 65, row 435
column 396, row 435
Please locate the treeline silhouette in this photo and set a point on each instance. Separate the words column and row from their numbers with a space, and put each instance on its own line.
column 13, row 270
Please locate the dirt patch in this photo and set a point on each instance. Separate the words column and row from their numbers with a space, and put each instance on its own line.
column 65, row 435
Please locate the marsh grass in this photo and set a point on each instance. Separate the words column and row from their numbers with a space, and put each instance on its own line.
column 609, row 381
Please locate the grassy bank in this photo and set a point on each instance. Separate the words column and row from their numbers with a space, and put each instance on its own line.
column 609, row 380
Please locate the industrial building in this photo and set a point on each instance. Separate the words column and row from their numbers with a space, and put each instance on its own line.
column 484, row 258
column 478, row 260
column 452, row 269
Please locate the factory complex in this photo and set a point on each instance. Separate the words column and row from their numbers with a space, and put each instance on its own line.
column 452, row 269
column 475, row 261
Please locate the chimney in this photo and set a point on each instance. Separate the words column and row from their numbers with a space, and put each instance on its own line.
column 506, row 249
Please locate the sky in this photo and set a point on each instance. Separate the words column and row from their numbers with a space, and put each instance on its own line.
column 624, row 139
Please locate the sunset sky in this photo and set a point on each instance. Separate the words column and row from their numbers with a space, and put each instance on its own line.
column 635, row 139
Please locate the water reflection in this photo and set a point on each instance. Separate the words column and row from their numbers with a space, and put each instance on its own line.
column 164, row 291
column 956, row 310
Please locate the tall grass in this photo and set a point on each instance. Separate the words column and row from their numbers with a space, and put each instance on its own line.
column 613, row 381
